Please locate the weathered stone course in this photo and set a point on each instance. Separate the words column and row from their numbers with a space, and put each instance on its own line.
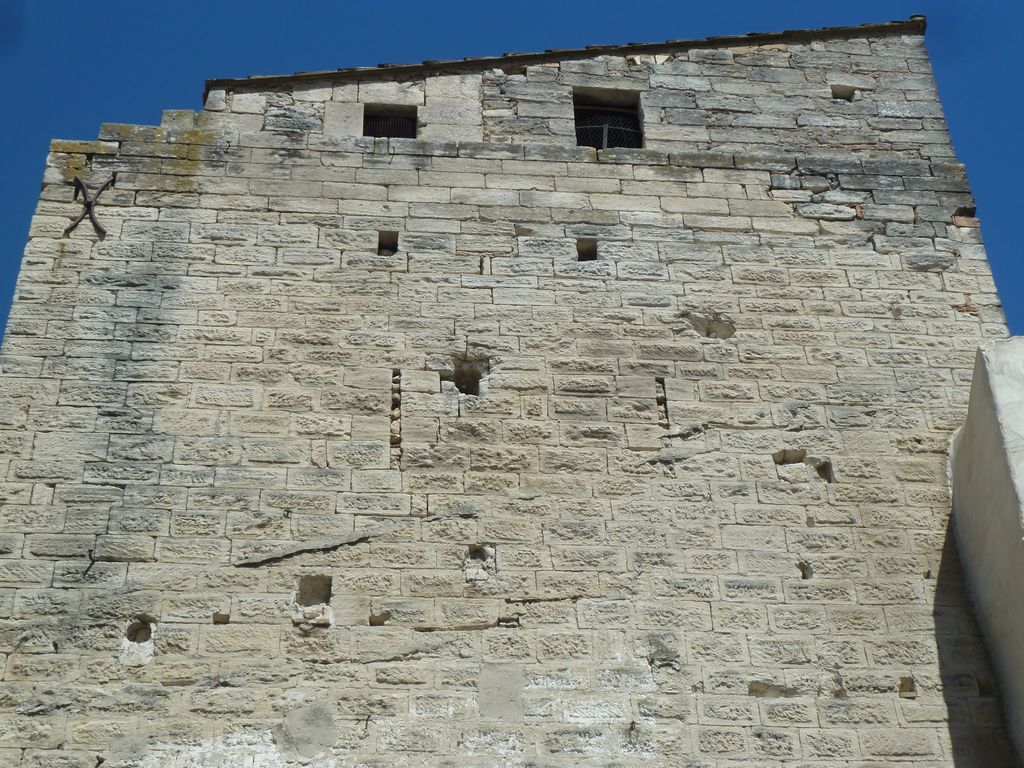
column 681, row 504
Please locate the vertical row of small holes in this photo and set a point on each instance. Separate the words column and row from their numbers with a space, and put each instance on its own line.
column 396, row 413
column 661, row 398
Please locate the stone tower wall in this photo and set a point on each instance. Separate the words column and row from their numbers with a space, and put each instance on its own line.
column 696, row 514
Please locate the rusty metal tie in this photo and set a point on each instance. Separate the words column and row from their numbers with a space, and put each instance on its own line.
column 89, row 205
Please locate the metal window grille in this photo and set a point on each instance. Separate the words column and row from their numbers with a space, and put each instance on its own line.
column 390, row 126
column 604, row 128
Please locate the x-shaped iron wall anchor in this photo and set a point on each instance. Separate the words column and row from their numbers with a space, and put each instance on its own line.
column 89, row 205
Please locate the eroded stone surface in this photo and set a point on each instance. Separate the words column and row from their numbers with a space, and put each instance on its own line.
column 307, row 733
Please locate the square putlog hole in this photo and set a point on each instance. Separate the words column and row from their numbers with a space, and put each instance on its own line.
column 907, row 688
column 313, row 590
column 387, row 243
column 843, row 92
column 467, row 374
column 586, row 249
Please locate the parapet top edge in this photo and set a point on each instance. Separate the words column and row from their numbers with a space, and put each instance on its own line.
column 914, row 25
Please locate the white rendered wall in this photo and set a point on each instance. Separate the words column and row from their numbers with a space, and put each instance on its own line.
column 988, row 480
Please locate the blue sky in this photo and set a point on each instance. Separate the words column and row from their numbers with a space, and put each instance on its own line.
column 69, row 65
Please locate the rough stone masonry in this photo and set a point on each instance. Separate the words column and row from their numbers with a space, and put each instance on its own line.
column 482, row 448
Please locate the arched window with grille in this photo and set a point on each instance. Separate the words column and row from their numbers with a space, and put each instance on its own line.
column 602, row 128
column 606, row 119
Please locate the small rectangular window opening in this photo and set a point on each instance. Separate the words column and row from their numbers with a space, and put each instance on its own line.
column 389, row 121
column 586, row 249
column 387, row 243
column 607, row 118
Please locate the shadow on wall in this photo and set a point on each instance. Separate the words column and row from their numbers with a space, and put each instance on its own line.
column 977, row 727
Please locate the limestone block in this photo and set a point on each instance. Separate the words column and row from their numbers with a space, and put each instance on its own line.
column 391, row 93
column 248, row 102
column 500, row 692
column 466, row 86
column 343, row 119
